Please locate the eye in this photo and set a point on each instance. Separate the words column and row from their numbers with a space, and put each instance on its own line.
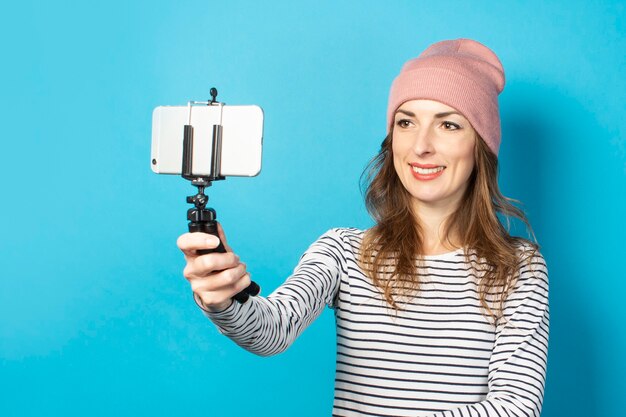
column 450, row 126
column 404, row 123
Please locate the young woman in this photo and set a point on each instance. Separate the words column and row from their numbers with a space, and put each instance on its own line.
column 439, row 310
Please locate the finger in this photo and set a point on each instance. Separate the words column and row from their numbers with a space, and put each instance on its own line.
column 219, row 307
column 222, row 235
column 211, row 298
column 206, row 265
column 190, row 243
column 219, row 281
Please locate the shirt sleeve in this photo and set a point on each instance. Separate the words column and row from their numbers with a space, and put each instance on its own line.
column 268, row 326
column 517, row 368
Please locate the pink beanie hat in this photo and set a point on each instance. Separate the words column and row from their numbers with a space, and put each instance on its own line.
column 461, row 73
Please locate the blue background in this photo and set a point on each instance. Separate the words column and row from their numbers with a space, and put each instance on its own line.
column 95, row 317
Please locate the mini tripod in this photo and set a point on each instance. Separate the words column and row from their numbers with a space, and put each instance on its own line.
column 201, row 218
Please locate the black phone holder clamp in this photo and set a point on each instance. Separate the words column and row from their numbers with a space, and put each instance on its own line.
column 201, row 218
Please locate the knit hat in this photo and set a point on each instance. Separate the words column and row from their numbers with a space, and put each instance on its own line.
column 460, row 73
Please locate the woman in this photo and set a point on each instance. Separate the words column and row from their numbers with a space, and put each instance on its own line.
column 439, row 311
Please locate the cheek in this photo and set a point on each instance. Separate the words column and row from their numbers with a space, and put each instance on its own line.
column 395, row 148
column 397, row 154
column 466, row 161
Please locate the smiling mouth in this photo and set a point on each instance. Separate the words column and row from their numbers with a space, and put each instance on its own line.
column 426, row 171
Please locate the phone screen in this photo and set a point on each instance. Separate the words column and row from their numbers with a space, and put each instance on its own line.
column 242, row 139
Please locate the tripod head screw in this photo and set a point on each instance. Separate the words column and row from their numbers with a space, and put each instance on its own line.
column 199, row 200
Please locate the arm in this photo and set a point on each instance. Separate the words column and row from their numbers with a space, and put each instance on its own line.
column 517, row 369
column 267, row 326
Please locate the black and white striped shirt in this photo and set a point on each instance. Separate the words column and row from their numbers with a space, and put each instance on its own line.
column 438, row 356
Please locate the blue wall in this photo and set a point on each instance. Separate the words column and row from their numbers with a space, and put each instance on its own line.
column 95, row 317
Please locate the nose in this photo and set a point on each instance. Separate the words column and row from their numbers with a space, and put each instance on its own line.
column 423, row 142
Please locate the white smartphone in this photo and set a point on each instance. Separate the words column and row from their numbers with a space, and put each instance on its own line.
column 242, row 139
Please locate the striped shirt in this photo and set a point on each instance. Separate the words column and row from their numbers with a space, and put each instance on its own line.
column 437, row 356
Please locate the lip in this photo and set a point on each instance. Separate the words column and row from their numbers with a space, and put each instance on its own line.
column 425, row 166
column 426, row 177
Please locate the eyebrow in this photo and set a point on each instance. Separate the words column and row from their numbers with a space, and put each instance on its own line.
column 437, row 116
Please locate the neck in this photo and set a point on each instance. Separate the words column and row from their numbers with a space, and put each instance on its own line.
column 433, row 223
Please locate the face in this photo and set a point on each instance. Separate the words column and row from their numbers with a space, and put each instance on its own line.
column 433, row 153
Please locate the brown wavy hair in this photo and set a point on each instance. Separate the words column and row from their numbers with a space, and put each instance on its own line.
column 390, row 250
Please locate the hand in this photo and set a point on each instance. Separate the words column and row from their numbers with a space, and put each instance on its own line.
column 215, row 277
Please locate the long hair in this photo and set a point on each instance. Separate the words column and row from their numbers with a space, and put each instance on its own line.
column 391, row 248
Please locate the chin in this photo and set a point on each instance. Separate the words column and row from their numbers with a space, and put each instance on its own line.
column 422, row 199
